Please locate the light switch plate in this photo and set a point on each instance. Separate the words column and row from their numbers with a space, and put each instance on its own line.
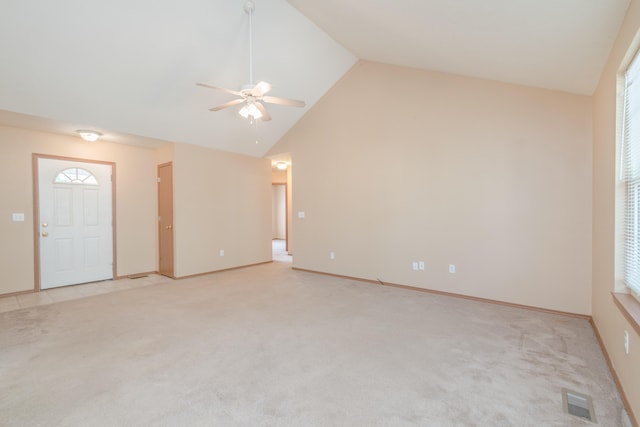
column 17, row 217
column 300, row 214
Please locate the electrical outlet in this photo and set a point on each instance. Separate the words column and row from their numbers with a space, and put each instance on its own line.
column 332, row 255
column 421, row 265
column 415, row 266
column 221, row 252
column 626, row 342
column 452, row 268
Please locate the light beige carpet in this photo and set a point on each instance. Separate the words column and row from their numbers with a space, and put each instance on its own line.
column 268, row 346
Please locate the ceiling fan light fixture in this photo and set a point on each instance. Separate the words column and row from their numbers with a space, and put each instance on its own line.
column 250, row 111
column 251, row 93
column 89, row 135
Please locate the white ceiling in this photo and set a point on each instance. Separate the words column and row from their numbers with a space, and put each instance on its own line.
column 553, row 44
column 129, row 68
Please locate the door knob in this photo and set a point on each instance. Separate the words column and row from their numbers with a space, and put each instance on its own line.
column 45, row 225
column 169, row 227
column 45, row 234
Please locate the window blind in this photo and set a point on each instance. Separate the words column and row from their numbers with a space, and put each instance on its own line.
column 631, row 175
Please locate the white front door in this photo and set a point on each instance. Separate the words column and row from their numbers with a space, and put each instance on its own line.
column 75, row 213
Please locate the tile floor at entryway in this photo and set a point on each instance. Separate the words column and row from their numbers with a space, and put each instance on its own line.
column 66, row 293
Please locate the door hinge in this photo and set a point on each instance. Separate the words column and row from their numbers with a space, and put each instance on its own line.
column 159, row 218
column 158, row 180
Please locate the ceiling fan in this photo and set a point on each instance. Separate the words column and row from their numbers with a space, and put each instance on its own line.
column 253, row 96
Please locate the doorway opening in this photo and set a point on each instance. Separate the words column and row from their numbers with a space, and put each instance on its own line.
column 279, row 252
column 279, row 226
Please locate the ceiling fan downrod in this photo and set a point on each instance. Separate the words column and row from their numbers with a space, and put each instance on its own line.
column 249, row 7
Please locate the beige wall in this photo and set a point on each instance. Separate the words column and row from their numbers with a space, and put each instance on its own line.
column 279, row 176
column 135, row 201
column 396, row 165
column 221, row 201
column 165, row 154
column 607, row 317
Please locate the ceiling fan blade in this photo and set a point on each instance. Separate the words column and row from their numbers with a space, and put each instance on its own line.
column 283, row 101
column 234, row 92
column 227, row 105
column 260, row 89
column 265, row 114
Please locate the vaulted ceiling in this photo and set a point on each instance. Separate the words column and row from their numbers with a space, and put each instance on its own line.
column 128, row 68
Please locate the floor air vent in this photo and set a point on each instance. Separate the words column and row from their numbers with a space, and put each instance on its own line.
column 578, row 404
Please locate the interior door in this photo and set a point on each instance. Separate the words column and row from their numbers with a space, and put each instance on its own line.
column 75, row 222
column 165, row 219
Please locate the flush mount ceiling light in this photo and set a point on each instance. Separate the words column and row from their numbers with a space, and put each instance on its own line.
column 89, row 135
column 281, row 165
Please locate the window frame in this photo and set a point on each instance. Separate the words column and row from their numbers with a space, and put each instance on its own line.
column 89, row 177
column 629, row 176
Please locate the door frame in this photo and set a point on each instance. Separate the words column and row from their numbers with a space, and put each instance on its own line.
column 286, row 211
column 36, row 210
column 173, row 220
